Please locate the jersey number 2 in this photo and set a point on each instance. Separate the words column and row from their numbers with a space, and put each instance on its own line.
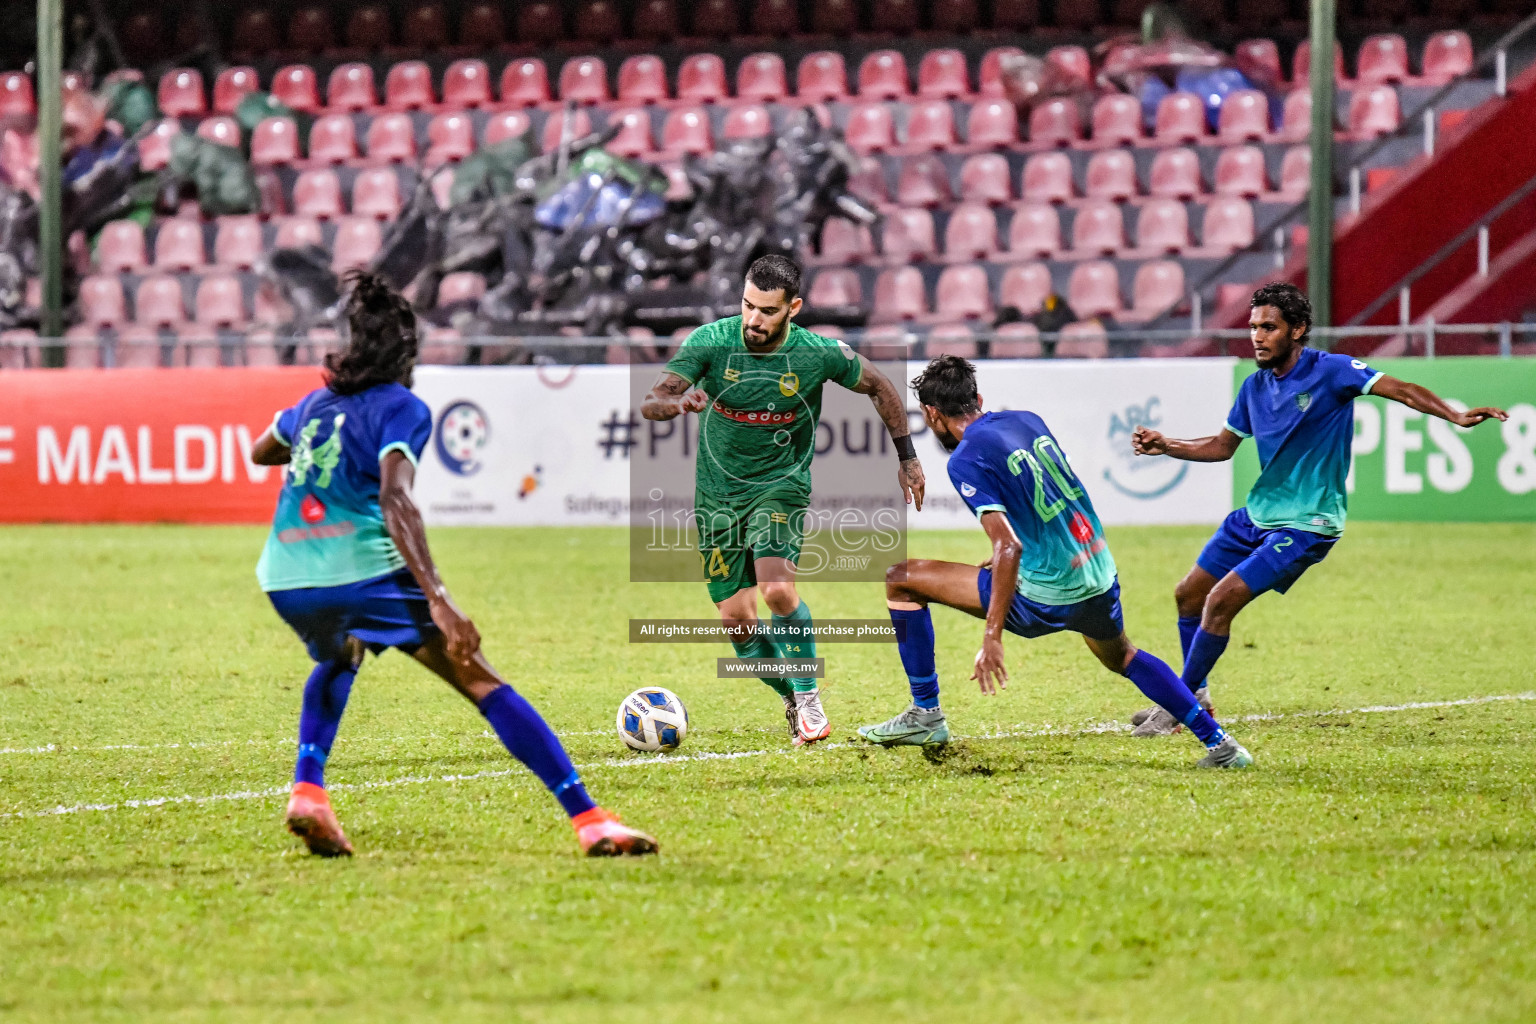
column 1048, row 456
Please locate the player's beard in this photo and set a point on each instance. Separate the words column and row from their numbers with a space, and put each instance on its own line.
column 948, row 440
column 772, row 341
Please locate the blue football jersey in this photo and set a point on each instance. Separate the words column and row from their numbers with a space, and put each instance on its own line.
column 328, row 528
column 1303, row 424
column 1008, row 462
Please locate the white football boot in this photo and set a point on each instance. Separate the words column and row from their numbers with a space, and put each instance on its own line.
column 811, row 722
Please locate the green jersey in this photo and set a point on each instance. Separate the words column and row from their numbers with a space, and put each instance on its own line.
column 758, row 434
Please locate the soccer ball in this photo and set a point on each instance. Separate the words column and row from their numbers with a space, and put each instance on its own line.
column 652, row 719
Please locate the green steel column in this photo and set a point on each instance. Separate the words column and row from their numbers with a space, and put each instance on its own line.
column 50, row 59
column 1320, row 198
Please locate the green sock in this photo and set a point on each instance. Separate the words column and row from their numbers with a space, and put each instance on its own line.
column 760, row 647
column 801, row 642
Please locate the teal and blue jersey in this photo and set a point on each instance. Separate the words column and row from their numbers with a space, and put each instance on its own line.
column 1303, row 424
column 328, row 529
column 1008, row 462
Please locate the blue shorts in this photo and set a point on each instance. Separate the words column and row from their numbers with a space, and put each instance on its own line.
column 385, row 611
column 1263, row 559
column 1098, row 618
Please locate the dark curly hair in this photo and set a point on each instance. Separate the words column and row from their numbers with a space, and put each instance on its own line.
column 1291, row 301
column 948, row 383
column 382, row 348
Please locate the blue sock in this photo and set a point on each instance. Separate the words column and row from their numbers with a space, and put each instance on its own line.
column 1204, row 649
column 1156, row 680
column 914, row 630
column 1188, row 624
column 325, row 698
column 529, row 738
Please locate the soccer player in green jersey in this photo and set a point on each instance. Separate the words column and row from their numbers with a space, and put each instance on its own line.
column 755, row 380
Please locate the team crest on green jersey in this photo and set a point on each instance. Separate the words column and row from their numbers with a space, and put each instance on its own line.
column 1303, row 400
column 305, row 456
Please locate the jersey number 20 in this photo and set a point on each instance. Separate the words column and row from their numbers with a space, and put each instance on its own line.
column 1048, row 456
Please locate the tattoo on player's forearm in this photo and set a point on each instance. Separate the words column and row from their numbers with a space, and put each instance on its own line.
column 889, row 406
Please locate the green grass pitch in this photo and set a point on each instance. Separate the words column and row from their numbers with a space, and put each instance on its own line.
column 1375, row 866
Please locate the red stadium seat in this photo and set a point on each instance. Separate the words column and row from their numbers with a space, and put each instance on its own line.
column 747, row 121
column 836, row 287
column 1085, row 339
column 835, row 17
column 179, row 245
column 845, row 242
column 1176, row 174
column 181, row 93
column 951, row 340
column 701, row 79
column 1098, row 228
column 275, row 141
column 376, row 193
column 461, row 286
column 992, row 124
column 1228, row 224
column 425, row 27
column 237, row 243
column 450, row 137
column 1301, row 64
column 525, row 83
column 392, row 138
column 357, row 241
column 883, row 75
column 333, row 139
column 930, row 126
column 598, row 21
column 509, row 124
column 102, row 303
column 554, row 125
column 482, row 27
column 224, row 131
column 870, row 128
column 121, row 247
column 955, row 17
column 1094, row 289
column 687, row 130
column 317, row 194
column 155, row 148
column 540, row 24
column 219, row 301
column 1116, row 120
column 309, row 30
column 775, row 18
column 894, row 17
column 1016, row 341
column 1447, row 55
column 716, row 19
column 655, row 21
column 1382, row 58
column 1244, row 115
column 584, row 80
column 255, row 32
column 1180, row 118
column 1054, row 123
column 467, row 83
column 159, row 302
column 1162, row 225
column 971, row 233
column 369, row 29
column 232, row 86
column 1240, row 171
column 984, row 178
column 16, row 96
column 296, row 232
column 1047, row 178
column 1034, row 231
column 1159, row 285
column 1111, row 175
column 942, row 75
column 761, row 78
column 296, row 88
column 1025, row 287
column 642, row 79
column 408, row 86
column 923, row 181
column 1296, row 172
column 821, row 76
column 990, row 75
column 138, row 346
column 1260, row 55
column 1073, row 62
column 634, row 137
column 351, row 88
column 1373, row 111
column 1296, row 122
column 908, row 236
column 899, row 295
column 868, row 182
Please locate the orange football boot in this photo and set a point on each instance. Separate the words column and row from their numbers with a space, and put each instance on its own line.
column 602, row 834
column 311, row 819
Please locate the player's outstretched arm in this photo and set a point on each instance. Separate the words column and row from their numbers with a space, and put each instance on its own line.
column 1006, row 550
column 670, row 397
column 1216, row 448
column 893, row 413
column 1421, row 399
column 269, row 451
column 403, row 521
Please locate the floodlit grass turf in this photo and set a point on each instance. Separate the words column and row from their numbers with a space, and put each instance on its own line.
column 1376, row 866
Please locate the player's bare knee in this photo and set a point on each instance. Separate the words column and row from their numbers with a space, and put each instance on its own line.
column 782, row 598
column 1221, row 607
column 1189, row 594
column 353, row 651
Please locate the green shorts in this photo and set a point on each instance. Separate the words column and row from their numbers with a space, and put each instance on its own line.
column 731, row 540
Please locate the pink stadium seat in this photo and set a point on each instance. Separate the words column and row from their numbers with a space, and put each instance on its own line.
column 634, row 137
column 836, row 287
column 908, row 236
column 121, row 247
column 930, row 126
column 1180, row 118
column 642, row 79
column 179, row 245
column 1228, row 224
column 1024, row 287
column 219, row 301
column 845, row 242
column 392, row 139
column 237, row 242
column 1072, row 61
column 971, row 233
column 1034, row 231
column 509, row 124
column 835, row 17
column 16, row 96
column 467, row 83
column 942, row 75
column 883, row 75
column 18, row 344
column 461, row 286
column 1047, row 178
column 296, row 232
column 598, row 21
column 655, row 20
column 296, row 87
column 1176, row 174
column 687, row 130
column 482, row 27
column 1244, row 115
column 992, row 124
column 450, row 137
column 351, row 88
column 760, row 77
column 1261, row 54
column 955, row 17
column 1085, row 339
column 232, row 86
column 425, row 27
column 1240, row 171
column 821, row 76
column 989, row 75
column 101, row 301
column 1016, row 341
column 581, row 124
column 1111, row 175
column 181, row 93
column 775, row 18
column 369, row 29
column 1116, row 120
column 155, row 148
column 1373, row 111
column 924, row 181
column 868, row 182
column 894, row 17
column 525, row 83
column 1054, row 123
column 1094, row 289
column 1162, row 225
column 1382, row 58
column 1296, row 122
column 1296, row 172
column 984, row 179
column 715, row 19
column 357, row 241
column 376, row 193
column 899, row 295
column 333, row 139
column 408, row 86
column 1447, row 55
column 223, row 131
column 317, row 194
column 275, row 141
column 159, row 303
column 870, row 128
column 256, row 32
column 747, row 121
column 1098, row 228
column 539, row 24
column 1301, row 64
column 701, row 79
column 584, row 80
column 1159, row 285
column 951, row 340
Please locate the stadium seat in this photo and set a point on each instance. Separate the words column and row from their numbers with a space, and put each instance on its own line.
column 1073, row 62
column 18, row 346
column 1085, row 339
column 357, row 241
column 16, row 96
column 1016, row 341
column 159, row 303
column 333, row 139
column 450, row 138
column 1244, row 116
column 554, row 125
column 424, row 27
column 1240, row 171
column 137, row 347
column 467, row 83
column 835, row 17
column 687, row 130
column 984, row 178
column 1047, row 178
column 317, row 194
column 950, row 340
column 1111, row 175
column 1025, row 286
column 482, row 27
column 1034, row 231
column 1373, row 111
column 237, row 242
column 992, row 124
column 1261, row 54
column 1159, row 285
column 1301, row 63
column 1054, row 123
column 219, row 301
column 942, row 75
column 1296, row 122
column 894, row 17
column 460, row 286
column 870, row 128
column 376, row 193
column 1094, row 289
column 883, row 75
column 954, row 17
column 655, row 20
column 971, row 233
column 775, row 19
column 255, row 32
column 179, row 245
column 1296, row 172
column 102, row 303
column 634, row 137
column 930, row 126
column 525, row 83
column 1162, row 226
column 1382, row 58
column 181, row 93
column 715, row 19
column 989, row 76
column 540, row 24
column 1228, row 224
column 408, row 86
column 642, row 79
column 868, row 182
column 392, row 139
column 155, row 147
column 836, row 287
column 368, row 29
column 908, row 236
column 1116, row 120
column 1176, row 174
column 223, row 131
column 1447, row 55
column 747, row 121
column 584, row 80
column 1180, row 118
column 296, row 88
column 843, row 242
column 509, row 124
column 275, row 141
column 701, row 79
column 598, row 21
column 232, row 86
column 351, row 88
column 899, row 295
column 821, row 76
column 296, row 232
column 924, row 181
column 121, row 247
column 760, row 78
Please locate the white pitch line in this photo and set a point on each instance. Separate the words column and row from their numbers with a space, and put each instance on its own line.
column 680, row 759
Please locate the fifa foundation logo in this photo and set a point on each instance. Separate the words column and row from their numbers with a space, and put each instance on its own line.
column 1134, row 476
column 462, row 433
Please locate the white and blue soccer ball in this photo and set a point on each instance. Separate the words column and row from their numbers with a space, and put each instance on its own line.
column 652, row 719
